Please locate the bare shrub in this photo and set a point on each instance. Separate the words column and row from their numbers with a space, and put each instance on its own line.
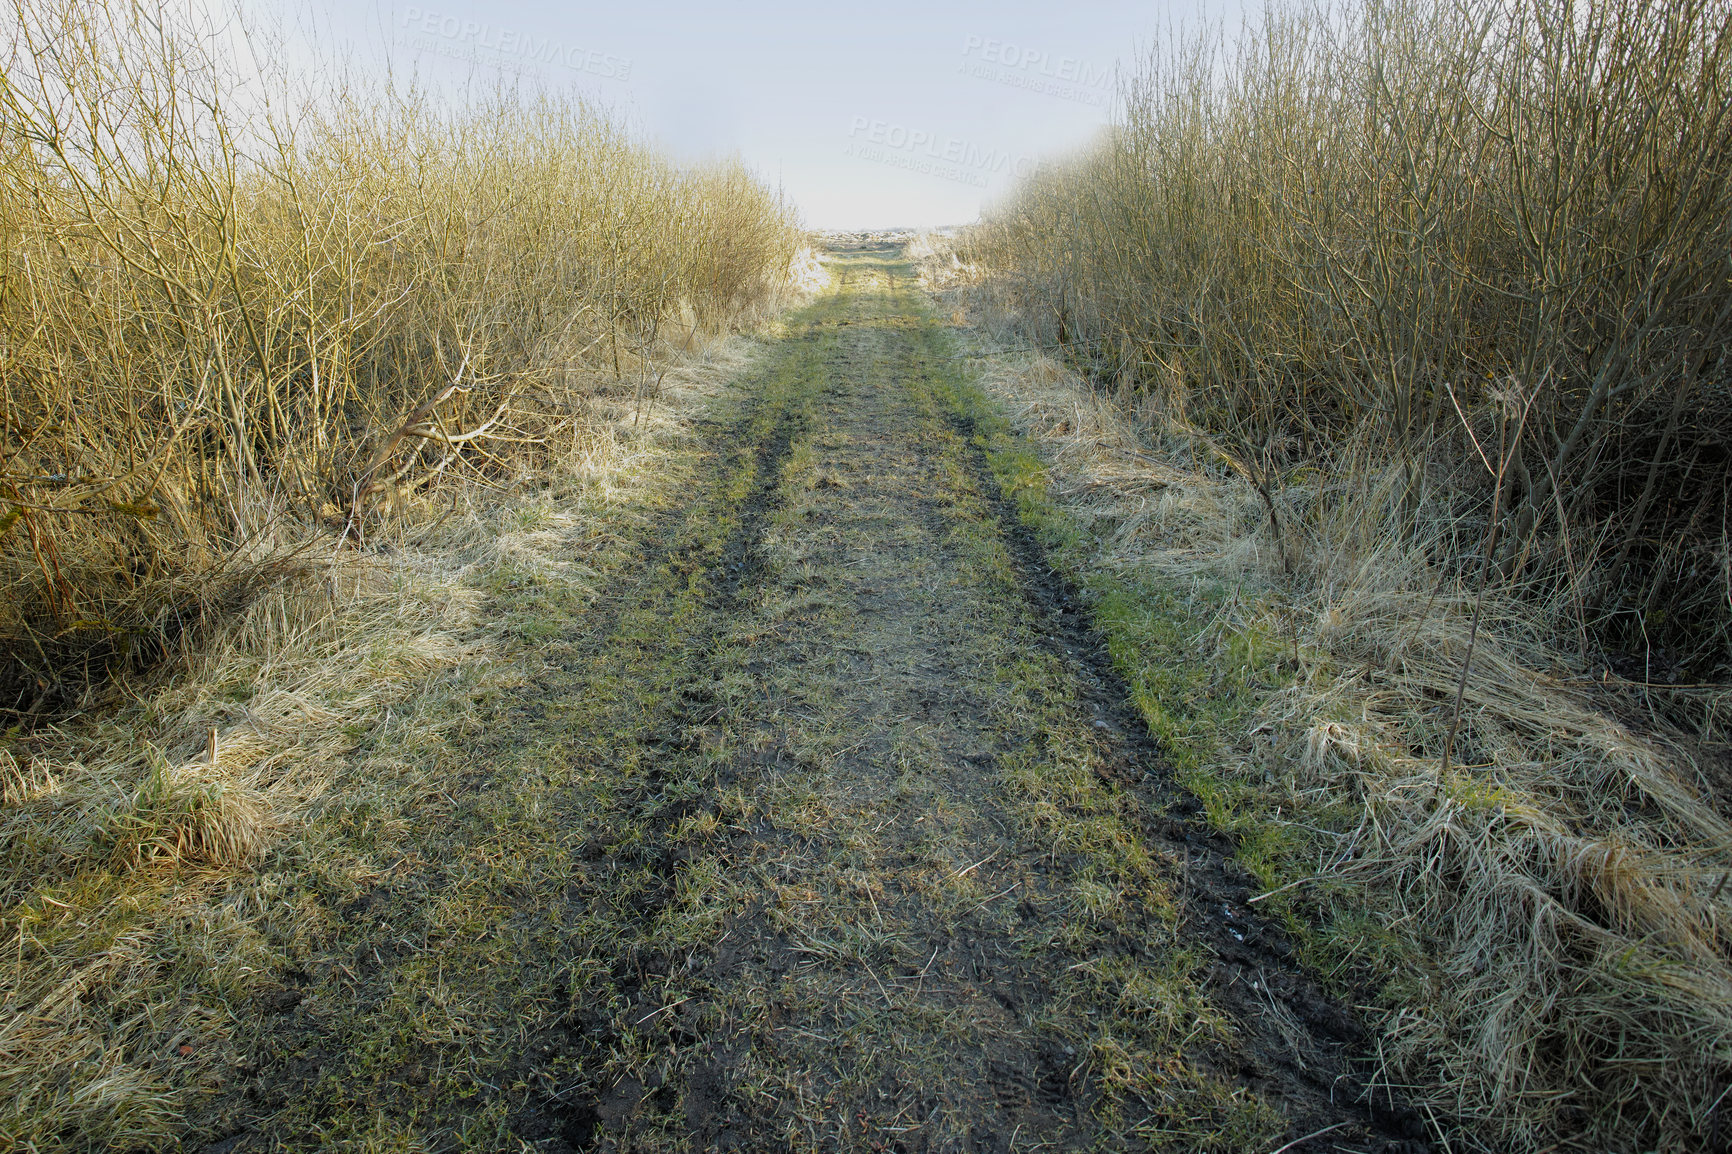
column 225, row 316
column 1409, row 327
column 1368, row 239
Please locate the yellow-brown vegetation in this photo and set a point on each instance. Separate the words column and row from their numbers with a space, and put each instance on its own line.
column 232, row 319
column 286, row 389
column 1388, row 353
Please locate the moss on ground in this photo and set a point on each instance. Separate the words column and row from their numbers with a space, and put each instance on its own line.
column 804, row 827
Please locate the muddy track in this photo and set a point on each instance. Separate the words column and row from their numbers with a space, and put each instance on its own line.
column 1296, row 1046
column 570, row 1114
column 1254, row 973
column 830, row 827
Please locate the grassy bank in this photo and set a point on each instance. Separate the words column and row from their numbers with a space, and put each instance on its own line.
column 1381, row 357
column 238, row 321
column 290, row 393
column 1533, row 933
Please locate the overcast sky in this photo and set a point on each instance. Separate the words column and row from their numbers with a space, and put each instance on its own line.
column 870, row 115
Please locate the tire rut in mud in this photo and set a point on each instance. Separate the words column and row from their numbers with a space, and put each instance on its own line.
column 844, row 602
column 1294, row 1046
column 1303, row 1044
column 580, row 1113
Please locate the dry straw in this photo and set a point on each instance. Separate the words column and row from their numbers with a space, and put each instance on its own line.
column 284, row 387
column 229, row 318
column 1408, row 326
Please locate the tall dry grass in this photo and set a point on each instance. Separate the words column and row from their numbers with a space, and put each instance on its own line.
column 1486, row 245
column 1408, row 326
column 286, row 387
column 1538, row 941
column 230, row 316
column 157, row 857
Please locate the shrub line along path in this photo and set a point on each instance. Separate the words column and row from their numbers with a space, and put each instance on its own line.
column 826, row 826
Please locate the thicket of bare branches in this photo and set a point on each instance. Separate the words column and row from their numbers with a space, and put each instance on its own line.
column 1487, row 247
column 222, row 317
column 1418, row 318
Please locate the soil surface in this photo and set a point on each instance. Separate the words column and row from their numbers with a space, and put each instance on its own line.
column 828, row 827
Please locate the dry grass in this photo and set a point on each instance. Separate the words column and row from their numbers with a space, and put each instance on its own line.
column 233, row 315
column 1545, row 926
column 286, row 394
column 129, row 904
column 1404, row 331
column 1482, row 245
column 122, row 857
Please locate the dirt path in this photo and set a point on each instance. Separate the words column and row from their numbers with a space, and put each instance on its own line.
column 827, row 829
